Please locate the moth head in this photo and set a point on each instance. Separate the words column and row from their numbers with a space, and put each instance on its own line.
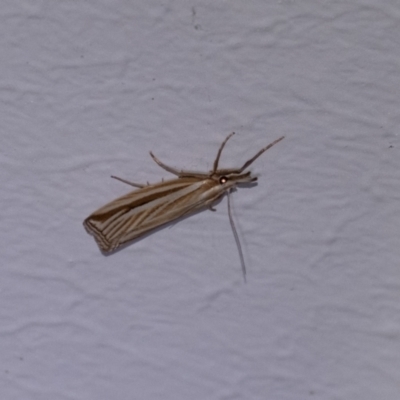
column 229, row 178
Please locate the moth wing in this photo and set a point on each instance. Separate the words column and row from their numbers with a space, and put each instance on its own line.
column 142, row 210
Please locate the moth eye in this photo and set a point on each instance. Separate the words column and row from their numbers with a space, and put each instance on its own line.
column 223, row 180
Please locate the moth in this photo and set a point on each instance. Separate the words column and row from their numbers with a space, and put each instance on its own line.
column 153, row 205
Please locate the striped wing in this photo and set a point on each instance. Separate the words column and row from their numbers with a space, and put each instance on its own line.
column 136, row 213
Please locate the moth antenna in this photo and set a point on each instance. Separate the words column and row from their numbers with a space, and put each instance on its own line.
column 220, row 151
column 235, row 234
column 247, row 163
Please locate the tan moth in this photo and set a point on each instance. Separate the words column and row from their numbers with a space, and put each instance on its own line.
column 151, row 206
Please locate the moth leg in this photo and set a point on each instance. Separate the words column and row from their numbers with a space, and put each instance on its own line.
column 162, row 165
column 247, row 163
column 209, row 203
column 127, row 182
column 215, row 167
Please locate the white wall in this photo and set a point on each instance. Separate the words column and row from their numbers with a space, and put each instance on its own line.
column 89, row 87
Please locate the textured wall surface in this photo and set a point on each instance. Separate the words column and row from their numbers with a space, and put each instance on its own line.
column 89, row 87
